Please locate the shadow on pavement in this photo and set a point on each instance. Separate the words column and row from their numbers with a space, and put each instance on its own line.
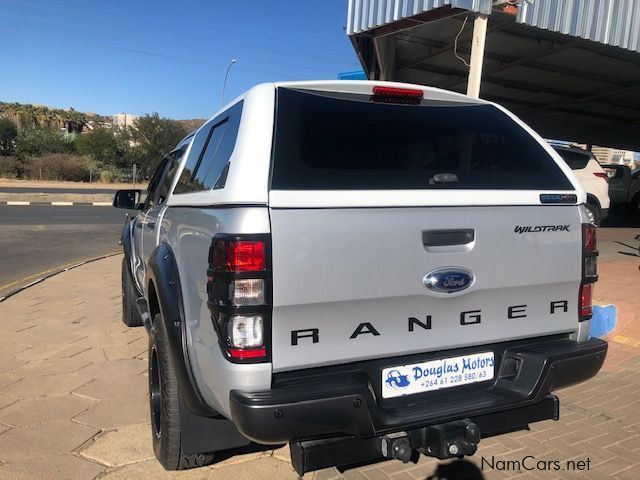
column 251, row 448
column 457, row 470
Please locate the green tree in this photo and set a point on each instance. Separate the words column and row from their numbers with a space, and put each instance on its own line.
column 38, row 141
column 150, row 138
column 8, row 134
column 101, row 145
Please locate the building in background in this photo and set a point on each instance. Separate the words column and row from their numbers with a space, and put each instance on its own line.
column 613, row 155
column 124, row 120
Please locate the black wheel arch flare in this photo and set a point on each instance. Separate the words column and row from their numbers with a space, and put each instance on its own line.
column 163, row 284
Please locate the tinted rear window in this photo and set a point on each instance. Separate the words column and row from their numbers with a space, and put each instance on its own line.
column 575, row 160
column 208, row 162
column 334, row 141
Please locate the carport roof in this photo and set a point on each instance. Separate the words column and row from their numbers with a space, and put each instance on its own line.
column 570, row 69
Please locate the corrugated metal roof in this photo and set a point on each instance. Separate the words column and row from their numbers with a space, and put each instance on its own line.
column 611, row 22
column 368, row 14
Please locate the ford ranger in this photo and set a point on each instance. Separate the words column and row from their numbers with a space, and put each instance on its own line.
column 363, row 270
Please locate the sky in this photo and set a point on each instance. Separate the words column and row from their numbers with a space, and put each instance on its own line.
column 170, row 57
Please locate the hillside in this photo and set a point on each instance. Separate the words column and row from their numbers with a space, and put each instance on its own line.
column 27, row 116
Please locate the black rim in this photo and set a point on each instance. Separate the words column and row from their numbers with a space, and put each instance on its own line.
column 155, row 393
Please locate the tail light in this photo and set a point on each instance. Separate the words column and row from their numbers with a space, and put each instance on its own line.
column 411, row 96
column 239, row 295
column 586, row 301
column 602, row 175
column 589, row 270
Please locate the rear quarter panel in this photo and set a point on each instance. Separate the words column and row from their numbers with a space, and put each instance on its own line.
column 189, row 230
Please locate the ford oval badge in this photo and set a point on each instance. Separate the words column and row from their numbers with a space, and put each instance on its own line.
column 448, row 280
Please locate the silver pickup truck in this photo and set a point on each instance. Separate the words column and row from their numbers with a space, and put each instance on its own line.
column 365, row 270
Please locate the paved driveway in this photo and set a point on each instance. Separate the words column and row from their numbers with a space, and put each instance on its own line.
column 73, row 399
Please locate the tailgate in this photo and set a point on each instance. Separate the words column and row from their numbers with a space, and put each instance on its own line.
column 349, row 283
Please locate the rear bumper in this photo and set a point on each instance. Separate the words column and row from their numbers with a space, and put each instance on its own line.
column 346, row 400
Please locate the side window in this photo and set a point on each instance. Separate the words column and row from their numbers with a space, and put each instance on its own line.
column 208, row 161
column 170, row 173
column 155, row 182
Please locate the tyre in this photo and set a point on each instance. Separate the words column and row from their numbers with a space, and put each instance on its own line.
column 130, row 315
column 594, row 214
column 164, row 405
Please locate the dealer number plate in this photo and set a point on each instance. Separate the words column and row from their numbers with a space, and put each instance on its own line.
column 437, row 374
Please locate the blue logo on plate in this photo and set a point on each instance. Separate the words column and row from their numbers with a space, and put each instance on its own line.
column 397, row 380
column 448, row 280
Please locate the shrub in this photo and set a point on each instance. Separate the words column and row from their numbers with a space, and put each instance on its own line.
column 39, row 141
column 100, row 144
column 150, row 138
column 8, row 135
column 58, row 166
column 106, row 176
column 9, row 167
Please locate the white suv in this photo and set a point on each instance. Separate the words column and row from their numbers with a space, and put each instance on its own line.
column 592, row 176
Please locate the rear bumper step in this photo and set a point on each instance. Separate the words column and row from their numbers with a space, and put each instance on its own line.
column 333, row 405
column 346, row 451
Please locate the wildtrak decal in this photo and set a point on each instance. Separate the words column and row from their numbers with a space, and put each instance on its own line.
column 541, row 228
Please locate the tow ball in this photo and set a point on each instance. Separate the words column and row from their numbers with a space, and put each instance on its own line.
column 446, row 440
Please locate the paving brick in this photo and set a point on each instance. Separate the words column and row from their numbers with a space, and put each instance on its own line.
column 614, row 466
column 628, row 474
column 6, row 401
column 51, row 366
column 23, row 443
column 151, row 469
column 282, row 453
column 114, row 368
column 353, row 474
column 402, row 475
column 10, row 346
column 49, row 329
column 44, row 351
column 8, row 363
column 120, row 447
column 456, row 469
column 325, row 474
column 7, row 379
column 44, row 409
column 392, row 467
column 375, row 472
column 107, row 414
column 59, row 467
column 40, row 386
column 126, row 387
column 596, row 453
column 130, row 350
column 625, row 450
column 266, row 468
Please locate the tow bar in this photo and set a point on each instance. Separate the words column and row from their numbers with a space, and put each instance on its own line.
column 454, row 439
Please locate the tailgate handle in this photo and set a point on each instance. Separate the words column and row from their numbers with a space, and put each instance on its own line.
column 440, row 238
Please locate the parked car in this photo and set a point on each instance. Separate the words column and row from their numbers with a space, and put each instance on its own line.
column 366, row 270
column 591, row 175
column 624, row 185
